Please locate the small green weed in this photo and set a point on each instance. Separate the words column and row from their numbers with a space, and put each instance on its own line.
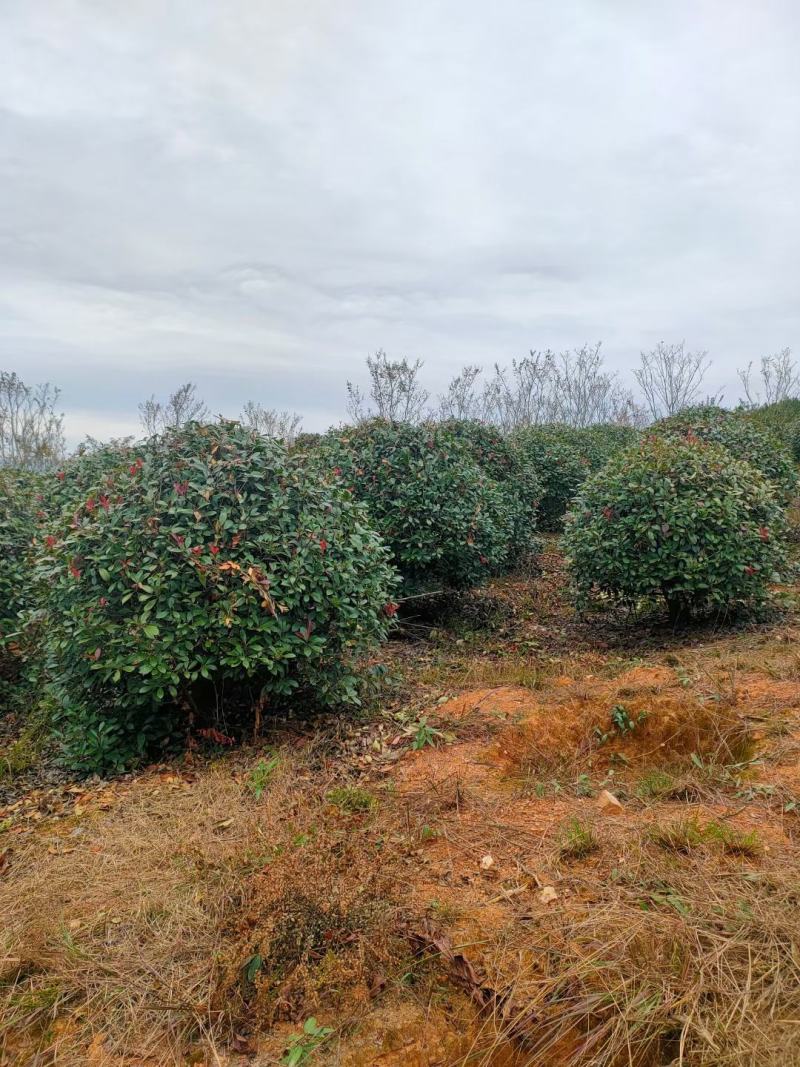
column 583, row 786
column 252, row 967
column 660, row 894
column 351, row 799
column 261, row 774
column 680, row 836
column 655, row 784
column 426, row 735
column 732, row 841
column 577, row 841
column 302, row 1046
column 622, row 721
column 687, row 834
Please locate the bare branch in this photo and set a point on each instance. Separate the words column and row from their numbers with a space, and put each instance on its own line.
column 31, row 432
column 395, row 392
column 780, row 379
column 670, row 378
column 181, row 407
column 283, row 425
column 462, row 401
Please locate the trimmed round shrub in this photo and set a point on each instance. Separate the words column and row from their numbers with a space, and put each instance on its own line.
column 742, row 438
column 447, row 523
column 601, row 442
column 677, row 519
column 781, row 419
column 91, row 468
column 555, row 454
column 211, row 573
column 516, row 477
column 21, row 514
column 564, row 457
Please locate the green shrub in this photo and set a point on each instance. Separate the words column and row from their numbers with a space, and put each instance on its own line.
column 91, row 468
column 447, row 523
column 21, row 514
column 602, row 442
column 742, row 438
column 563, row 458
column 211, row 569
column 678, row 519
column 514, row 474
column 781, row 419
column 306, row 442
column 554, row 453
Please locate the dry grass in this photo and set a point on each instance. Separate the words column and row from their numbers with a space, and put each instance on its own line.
column 679, row 959
column 424, row 906
column 139, row 929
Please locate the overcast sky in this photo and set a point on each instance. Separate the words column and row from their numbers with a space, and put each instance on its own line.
column 255, row 195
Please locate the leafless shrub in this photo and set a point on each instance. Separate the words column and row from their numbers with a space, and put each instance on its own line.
column 181, row 407
column 31, row 432
column 462, row 399
column 395, row 392
column 572, row 387
column 283, row 425
column 585, row 393
column 523, row 394
column 670, row 377
column 780, row 379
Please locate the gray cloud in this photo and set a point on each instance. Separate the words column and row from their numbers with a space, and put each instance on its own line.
column 257, row 195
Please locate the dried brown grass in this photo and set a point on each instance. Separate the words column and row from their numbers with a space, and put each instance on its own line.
column 669, row 961
column 138, row 935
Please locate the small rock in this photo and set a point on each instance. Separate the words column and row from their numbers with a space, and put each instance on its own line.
column 608, row 804
column 547, row 894
column 487, row 862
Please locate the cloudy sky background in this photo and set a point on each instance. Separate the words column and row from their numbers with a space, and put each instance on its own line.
column 255, row 195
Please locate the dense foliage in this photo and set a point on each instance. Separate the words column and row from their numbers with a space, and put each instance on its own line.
column 512, row 471
column 447, row 523
column 781, row 419
column 20, row 516
column 563, row 457
column 742, row 438
column 92, row 468
column 212, row 566
column 680, row 519
column 599, row 443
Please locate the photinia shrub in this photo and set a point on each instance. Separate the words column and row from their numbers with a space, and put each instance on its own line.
column 21, row 514
column 781, row 419
column 742, row 438
column 564, row 457
column 678, row 519
column 212, row 572
column 515, row 476
column 555, row 454
column 601, row 442
column 447, row 523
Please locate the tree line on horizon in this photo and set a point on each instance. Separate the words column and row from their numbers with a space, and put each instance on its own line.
column 572, row 387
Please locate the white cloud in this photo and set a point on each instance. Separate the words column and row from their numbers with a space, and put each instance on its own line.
column 258, row 196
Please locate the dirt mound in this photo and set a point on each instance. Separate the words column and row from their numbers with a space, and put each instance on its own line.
column 500, row 703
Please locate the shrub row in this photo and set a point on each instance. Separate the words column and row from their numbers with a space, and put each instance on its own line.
column 210, row 569
column 452, row 503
